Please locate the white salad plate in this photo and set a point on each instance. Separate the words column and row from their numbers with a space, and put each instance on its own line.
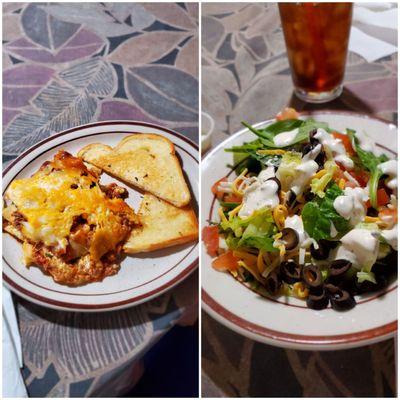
column 142, row 276
column 288, row 322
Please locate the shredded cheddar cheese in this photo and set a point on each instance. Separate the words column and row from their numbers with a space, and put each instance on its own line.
column 300, row 291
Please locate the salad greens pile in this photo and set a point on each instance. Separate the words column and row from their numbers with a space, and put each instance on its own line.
column 312, row 199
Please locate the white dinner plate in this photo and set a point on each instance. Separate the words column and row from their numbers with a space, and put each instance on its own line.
column 141, row 276
column 289, row 323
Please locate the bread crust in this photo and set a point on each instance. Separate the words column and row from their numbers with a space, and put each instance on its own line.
column 153, row 208
column 98, row 154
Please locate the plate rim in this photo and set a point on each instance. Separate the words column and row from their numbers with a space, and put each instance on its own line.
column 133, row 300
column 284, row 339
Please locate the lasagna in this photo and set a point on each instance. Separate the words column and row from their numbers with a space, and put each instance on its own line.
column 72, row 227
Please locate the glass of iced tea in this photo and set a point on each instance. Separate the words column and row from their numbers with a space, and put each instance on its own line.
column 317, row 36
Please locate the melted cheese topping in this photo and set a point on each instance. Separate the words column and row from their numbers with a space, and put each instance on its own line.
column 51, row 199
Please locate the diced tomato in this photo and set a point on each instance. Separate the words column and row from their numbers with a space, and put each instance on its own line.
column 388, row 214
column 211, row 239
column 287, row 113
column 350, row 184
column 362, row 177
column 232, row 198
column 215, row 190
column 338, row 175
column 226, row 261
column 382, row 197
column 368, row 204
column 346, row 142
column 341, row 166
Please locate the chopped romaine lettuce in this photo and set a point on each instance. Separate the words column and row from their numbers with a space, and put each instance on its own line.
column 369, row 226
column 255, row 231
column 287, row 168
column 259, row 236
column 363, row 276
column 232, row 241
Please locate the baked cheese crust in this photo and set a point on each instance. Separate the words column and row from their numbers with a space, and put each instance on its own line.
column 71, row 226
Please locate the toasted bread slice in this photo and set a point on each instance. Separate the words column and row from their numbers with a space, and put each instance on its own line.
column 146, row 161
column 163, row 225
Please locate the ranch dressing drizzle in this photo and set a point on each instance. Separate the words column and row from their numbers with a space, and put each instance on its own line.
column 296, row 223
column 336, row 147
column 313, row 153
column 365, row 142
column 285, row 138
column 351, row 205
column 360, row 247
column 261, row 193
column 333, row 231
column 390, row 168
column 390, row 235
column 305, row 170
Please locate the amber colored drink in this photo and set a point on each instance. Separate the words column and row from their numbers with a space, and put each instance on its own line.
column 317, row 36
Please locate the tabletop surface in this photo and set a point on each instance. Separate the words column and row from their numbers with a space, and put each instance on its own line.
column 245, row 73
column 69, row 64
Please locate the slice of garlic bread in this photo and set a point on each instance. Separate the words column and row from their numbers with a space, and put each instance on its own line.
column 147, row 161
column 163, row 225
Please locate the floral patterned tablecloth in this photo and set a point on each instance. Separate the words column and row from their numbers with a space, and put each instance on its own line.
column 65, row 65
column 245, row 72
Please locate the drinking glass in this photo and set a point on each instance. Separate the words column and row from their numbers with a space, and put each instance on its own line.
column 317, row 36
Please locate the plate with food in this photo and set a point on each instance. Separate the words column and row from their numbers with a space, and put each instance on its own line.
column 101, row 217
column 299, row 230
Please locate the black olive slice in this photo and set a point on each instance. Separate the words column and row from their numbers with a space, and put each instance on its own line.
column 309, row 196
column 290, row 238
column 277, row 182
column 312, row 276
column 339, row 267
column 312, row 133
column 324, row 247
column 291, row 199
column 341, row 299
column 320, row 159
column 368, row 286
column 273, row 283
column 332, row 244
column 290, row 272
column 307, row 148
column 322, row 253
column 318, row 300
column 371, row 212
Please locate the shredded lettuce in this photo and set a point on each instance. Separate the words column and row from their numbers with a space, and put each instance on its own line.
column 259, row 236
column 318, row 214
column 232, row 241
column 369, row 226
column 363, row 276
column 255, row 231
column 287, row 168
